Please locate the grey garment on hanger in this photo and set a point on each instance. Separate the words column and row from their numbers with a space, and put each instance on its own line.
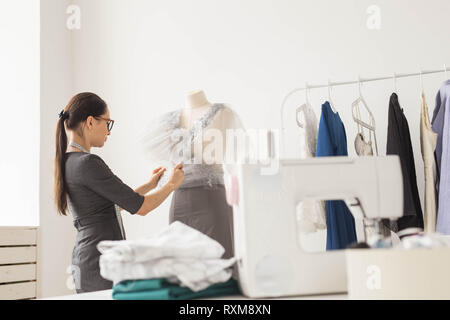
column 437, row 121
column 440, row 125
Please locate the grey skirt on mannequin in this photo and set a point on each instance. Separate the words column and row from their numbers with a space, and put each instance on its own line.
column 205, row 209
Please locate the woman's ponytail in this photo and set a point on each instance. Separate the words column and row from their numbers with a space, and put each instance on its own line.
column 60, row 185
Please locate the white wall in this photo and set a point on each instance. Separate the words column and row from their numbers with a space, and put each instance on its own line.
column 142, row 56
column 57, row 232
column 19, row 83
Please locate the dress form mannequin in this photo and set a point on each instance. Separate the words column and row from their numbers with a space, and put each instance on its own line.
column 196, row 105
column 200, row 202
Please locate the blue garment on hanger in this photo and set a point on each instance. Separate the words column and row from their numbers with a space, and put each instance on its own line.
column 332, row 141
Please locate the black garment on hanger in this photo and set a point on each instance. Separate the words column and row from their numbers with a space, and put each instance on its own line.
column 399, row 143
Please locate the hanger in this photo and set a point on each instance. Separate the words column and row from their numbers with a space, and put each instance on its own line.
column 445, row 72
column 355, row 109
column 395, row 82
column 355, row 106
column 357, row 117
column 421, row 82
column 304, row 106
column 329, row 97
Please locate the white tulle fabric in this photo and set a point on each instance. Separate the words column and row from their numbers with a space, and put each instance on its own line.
column 167, row 143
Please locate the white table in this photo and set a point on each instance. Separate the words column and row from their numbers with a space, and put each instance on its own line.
column 107, row 295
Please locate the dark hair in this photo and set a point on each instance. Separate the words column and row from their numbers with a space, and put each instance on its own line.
column 79, row 108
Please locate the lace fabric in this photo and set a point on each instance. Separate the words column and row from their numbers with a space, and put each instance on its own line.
column 362, row 147
column 308, row 130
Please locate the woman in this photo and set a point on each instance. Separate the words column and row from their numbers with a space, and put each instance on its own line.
column 86, row 187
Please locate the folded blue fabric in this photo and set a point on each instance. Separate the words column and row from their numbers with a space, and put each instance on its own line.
column 160, row 289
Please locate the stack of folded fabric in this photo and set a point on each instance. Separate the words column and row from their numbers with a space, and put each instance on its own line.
column 160, row 289
column 177, row 263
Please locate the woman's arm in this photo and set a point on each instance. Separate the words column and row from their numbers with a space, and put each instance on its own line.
column 147, row 187
column 152, row 183
column 154, row 199
column 143, row 190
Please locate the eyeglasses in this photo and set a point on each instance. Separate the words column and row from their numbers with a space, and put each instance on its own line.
column 109, row 122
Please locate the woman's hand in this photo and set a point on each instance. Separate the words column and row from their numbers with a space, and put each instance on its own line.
column 177, row 176
column 154, row 199
column 156, row 175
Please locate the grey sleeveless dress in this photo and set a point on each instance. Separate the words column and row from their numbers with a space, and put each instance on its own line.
column 200, row 201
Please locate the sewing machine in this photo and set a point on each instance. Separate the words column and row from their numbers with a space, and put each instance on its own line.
column 271, row 263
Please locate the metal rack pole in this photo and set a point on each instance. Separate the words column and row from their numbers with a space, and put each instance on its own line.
column 340, row 83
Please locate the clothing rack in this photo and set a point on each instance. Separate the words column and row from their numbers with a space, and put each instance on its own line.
column 360, row 80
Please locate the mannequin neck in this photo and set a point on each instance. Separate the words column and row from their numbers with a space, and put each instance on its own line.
column 196, row 99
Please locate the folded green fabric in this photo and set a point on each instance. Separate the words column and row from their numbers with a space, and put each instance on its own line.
column 160, row 289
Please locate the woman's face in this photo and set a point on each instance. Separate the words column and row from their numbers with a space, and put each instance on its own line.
column 99, row 132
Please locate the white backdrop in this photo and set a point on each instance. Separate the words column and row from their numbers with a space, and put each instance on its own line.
column 143, row 56
column 19, row 130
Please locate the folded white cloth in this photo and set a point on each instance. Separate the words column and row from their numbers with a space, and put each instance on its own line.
column 179, row 253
